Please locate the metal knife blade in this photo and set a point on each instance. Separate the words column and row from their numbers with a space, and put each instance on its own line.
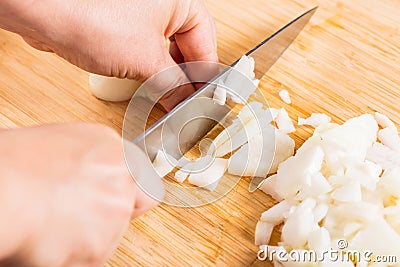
column 269, row 51
column 169, row 132
column 278, row 43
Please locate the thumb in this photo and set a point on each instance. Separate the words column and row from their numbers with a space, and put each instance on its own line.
column 196, row 38
column 196, row 41
column 149, row 187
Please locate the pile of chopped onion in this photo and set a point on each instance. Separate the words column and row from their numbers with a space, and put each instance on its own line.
column 343, row 183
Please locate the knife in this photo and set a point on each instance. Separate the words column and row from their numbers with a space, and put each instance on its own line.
column 172, row 134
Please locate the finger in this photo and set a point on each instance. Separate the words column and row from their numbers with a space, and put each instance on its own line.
column 196, row 39
column 143, row 203
column 174, row 51
column 149, row 190
column 199, row 73
column 170, row 85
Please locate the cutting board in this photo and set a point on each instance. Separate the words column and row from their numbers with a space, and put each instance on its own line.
column 345, row 63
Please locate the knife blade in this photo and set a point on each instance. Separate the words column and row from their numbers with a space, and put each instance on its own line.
column 278, row 42
column 173, row 133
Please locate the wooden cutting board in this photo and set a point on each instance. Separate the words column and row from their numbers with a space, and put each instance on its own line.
column 345, row 63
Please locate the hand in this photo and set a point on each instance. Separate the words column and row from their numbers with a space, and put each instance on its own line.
column 125, row 38
column 65, row 194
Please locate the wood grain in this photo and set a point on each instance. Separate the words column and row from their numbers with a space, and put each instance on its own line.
column 345, row 63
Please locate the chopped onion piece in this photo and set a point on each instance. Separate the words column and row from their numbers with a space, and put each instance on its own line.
column 320, row 212
column 383, row 156
column 209, row 177
column 379, row 238
column 263, row 233
column 241, row 80
column 220, row 94
column 355, row 211
column 318, row 186
column 278, row 213
column 319, row 240
column 251, row 121
column 384, row 121
column 254, row 158
column 366, row 173
column 297, row 228
column 284, row 122
column 164, row 163
column 349, row 141
column 284, row 148
column 246, row 66
column 390, row 138
column 285, row 96
column 306, row 164
column 198, row 165
column 350, row 192
column 390, row 182
column 315, row 120
column 181, row 175
column 274, row 113
column 268, row 186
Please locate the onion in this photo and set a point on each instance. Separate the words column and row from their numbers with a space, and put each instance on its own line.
column 390, row 182
column 220, row 94
column 350, row 192
column 384, row 121
column 390, row 138
column 278, row 213
column 284, row 123
column 274, row 113
column 305, row 164
column 284, row 148
column 342, row 184
column 251, row 121
column 285, row 96
column 298, row 227
column 268, row 186
column 181, row 175
column 319, row 240
column 378, row 237
column 383, row 156
column 315, row 120
column 112, row 89
column 209, row 177
column 164, row 163
column 237, row 80
column 263, row 233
